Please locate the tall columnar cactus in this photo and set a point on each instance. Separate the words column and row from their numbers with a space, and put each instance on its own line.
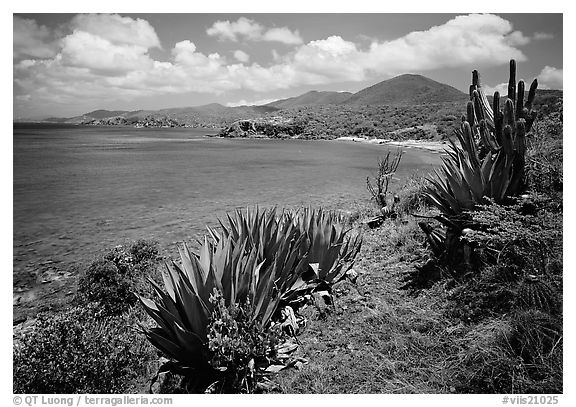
column 491, row 158
column 488, row 164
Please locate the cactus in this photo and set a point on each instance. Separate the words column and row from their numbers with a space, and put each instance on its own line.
column 491, row 158
column 537, row 294
column 489, row 163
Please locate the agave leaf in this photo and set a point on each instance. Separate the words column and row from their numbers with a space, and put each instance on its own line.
column 191, row 343
column 167, row 279
column 194, row 273
column 166, row 299
column 167, row 346
column 205, row 259
column 194, row 311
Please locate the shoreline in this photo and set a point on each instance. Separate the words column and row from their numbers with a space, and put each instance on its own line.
column 435, row 146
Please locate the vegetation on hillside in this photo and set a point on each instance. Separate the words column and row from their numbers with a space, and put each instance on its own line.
column 472, row 305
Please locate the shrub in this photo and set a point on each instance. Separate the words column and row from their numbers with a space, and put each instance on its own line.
column 73, row 352
column 103, row 283
column 480, row 298
column 238, row 345
column 514, row 260
column 520, row 239
column 378, row 186
column 545, row 156
column 411, row 195
column 112, row 280
column 144, row 251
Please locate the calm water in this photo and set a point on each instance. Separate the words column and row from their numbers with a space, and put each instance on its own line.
column 80, row 190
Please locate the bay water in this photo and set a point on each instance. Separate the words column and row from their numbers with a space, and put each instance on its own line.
column 80, row 190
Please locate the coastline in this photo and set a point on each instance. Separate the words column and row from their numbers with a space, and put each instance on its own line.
column 435, row 146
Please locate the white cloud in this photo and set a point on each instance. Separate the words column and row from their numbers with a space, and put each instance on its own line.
column 471, row 40
column 32, row 40
column 86, row 50
column 109, row 55
column 232, row 31
column 283, row 35
column 502, row 88
column 245, row 28
column 117, row 29
column 109, row 44
column 241, row 56
column 551, row 78
column 244, row 102
column 331, row 59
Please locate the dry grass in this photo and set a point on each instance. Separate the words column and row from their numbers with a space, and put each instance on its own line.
column 380, row 339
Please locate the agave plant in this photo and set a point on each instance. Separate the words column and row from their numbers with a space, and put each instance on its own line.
column 235, row 271
column 330, row 251
column 264, row 230
column 332, row 248
column 490, row 160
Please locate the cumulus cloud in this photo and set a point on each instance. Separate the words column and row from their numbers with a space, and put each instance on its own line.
column 109, row 55
column 32, row 40
column 86, row 50
column 109, row 44
column 283, row 35
column 476, row 39
column 245, row 28
column 244, row 102
column 502, row 88
column 551, row 78
column 332, row 59
column 241, row 56
column 117, row 29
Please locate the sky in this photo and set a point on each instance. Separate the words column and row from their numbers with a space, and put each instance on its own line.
column 68, row 64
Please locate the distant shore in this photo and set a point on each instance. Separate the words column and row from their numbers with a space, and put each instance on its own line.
column 437, row 146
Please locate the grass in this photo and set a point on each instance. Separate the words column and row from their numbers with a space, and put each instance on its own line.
column 408, row 339
column 455, row 337
column 380, row 339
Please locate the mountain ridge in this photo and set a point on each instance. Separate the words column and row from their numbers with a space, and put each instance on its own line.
column 402, row 90
column 313, row 97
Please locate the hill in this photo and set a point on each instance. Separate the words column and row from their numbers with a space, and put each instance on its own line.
column 311, row 98
column 210, row 115
column 406, row 89
column 102, row 114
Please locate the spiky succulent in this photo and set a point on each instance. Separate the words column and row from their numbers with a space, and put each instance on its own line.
column 332, row 247
column 537, row 294
column 259, row 258
column 236, row 271
column 490, row 161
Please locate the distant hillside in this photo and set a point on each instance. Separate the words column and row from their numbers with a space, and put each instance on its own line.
column 212, row 115
column 101, row 114
column 406, row 89
column 311, row 98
